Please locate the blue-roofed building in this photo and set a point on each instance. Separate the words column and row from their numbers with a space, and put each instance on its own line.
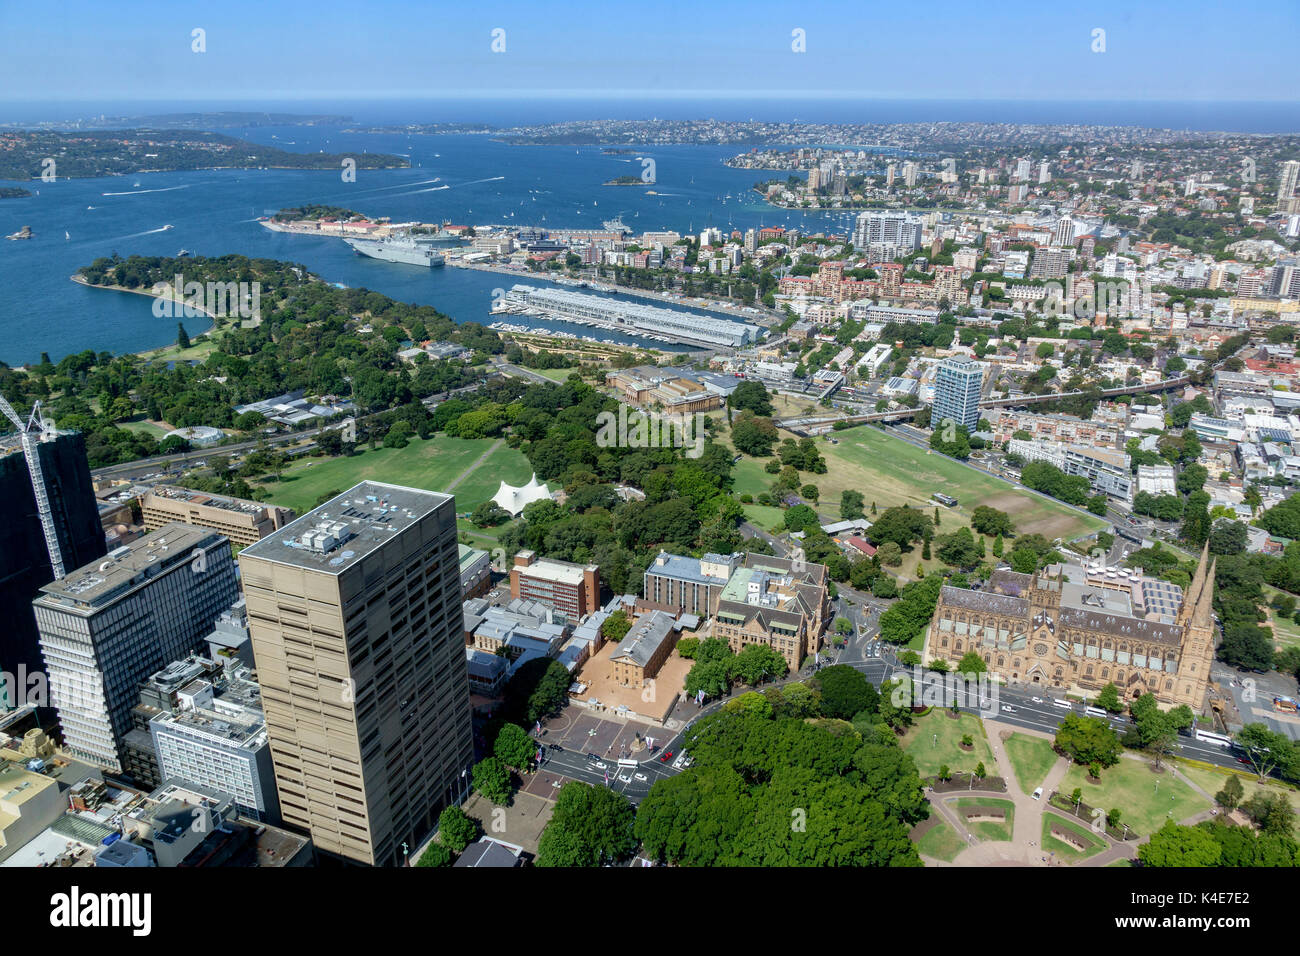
column 689, row 584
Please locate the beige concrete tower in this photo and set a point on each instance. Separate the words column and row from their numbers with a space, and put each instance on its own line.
column 354, row 612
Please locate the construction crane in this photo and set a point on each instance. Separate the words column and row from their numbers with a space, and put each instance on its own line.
column 37, row 429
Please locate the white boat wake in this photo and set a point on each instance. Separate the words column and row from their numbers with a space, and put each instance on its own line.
column 137, row 192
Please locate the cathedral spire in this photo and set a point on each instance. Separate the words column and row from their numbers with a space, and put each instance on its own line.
column 1192, row 596
column 1203, row 614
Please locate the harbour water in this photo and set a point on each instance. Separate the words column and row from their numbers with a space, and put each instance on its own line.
column 214, row 212
column 458, row 178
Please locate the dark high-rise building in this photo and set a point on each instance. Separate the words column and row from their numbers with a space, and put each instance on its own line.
column 24, row 558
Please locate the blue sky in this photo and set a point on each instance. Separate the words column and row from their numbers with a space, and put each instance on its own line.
column 366, row 50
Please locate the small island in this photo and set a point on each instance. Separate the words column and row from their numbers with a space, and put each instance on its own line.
column 316, row 211
column 13, row 192
column 628, row 181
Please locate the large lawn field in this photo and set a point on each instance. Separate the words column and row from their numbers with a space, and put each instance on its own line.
column 1032, row 758
column 749, row 476
column 940, row 842
column 889, row 471
column 431, row 464
column 1144, row 798
column 935, row 741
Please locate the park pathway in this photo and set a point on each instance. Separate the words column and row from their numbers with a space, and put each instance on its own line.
column 470, row 470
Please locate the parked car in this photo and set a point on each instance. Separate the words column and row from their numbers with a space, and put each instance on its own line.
column 1038, row 794
column 625, row 777
column 640, row 776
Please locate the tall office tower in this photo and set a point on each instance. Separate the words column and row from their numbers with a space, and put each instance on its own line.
column 1063, row 232
column 355, row 616
column 890, row 171
column 110, row 624
column 909, row 174
column 24, row 556
column 1022, row 170
column 957, row 393
column 1288, row 178
column 1044, row 172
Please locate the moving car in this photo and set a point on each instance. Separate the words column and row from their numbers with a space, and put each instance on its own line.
column 600, row 765
column 640, row 776
column 666, row 756
column 1008, row 709
column 1038, row 794
column 625, row 777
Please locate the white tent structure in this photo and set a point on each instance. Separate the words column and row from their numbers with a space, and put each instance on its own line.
column 514, row 499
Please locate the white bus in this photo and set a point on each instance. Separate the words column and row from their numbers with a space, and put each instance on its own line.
column 1096, row 712
column 1206, row 736
column 628, row 763
column 1063, row 704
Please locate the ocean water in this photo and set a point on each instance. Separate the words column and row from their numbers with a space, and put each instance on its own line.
column 457, row 178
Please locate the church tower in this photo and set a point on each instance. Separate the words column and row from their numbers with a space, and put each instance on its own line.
column 1196, row 653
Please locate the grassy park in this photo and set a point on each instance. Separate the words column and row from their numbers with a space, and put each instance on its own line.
column 991, row 830
column 1090, row 843
column 1211, row 780
column 1144, row 798
column 890, row 471
column 432, row 464
column 935, row 741
column 940, row 842
column 1031, row 758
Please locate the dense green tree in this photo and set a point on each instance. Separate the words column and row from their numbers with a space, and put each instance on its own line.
column 1174, row 845
column 435, row 855
column 590, row 826
column 845, row 691
column 1088, row 740
column 513, row 747
column 990, row 521
column 456, row 829
column 492, row 779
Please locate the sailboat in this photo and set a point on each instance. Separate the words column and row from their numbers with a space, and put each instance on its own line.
column 66, row 236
